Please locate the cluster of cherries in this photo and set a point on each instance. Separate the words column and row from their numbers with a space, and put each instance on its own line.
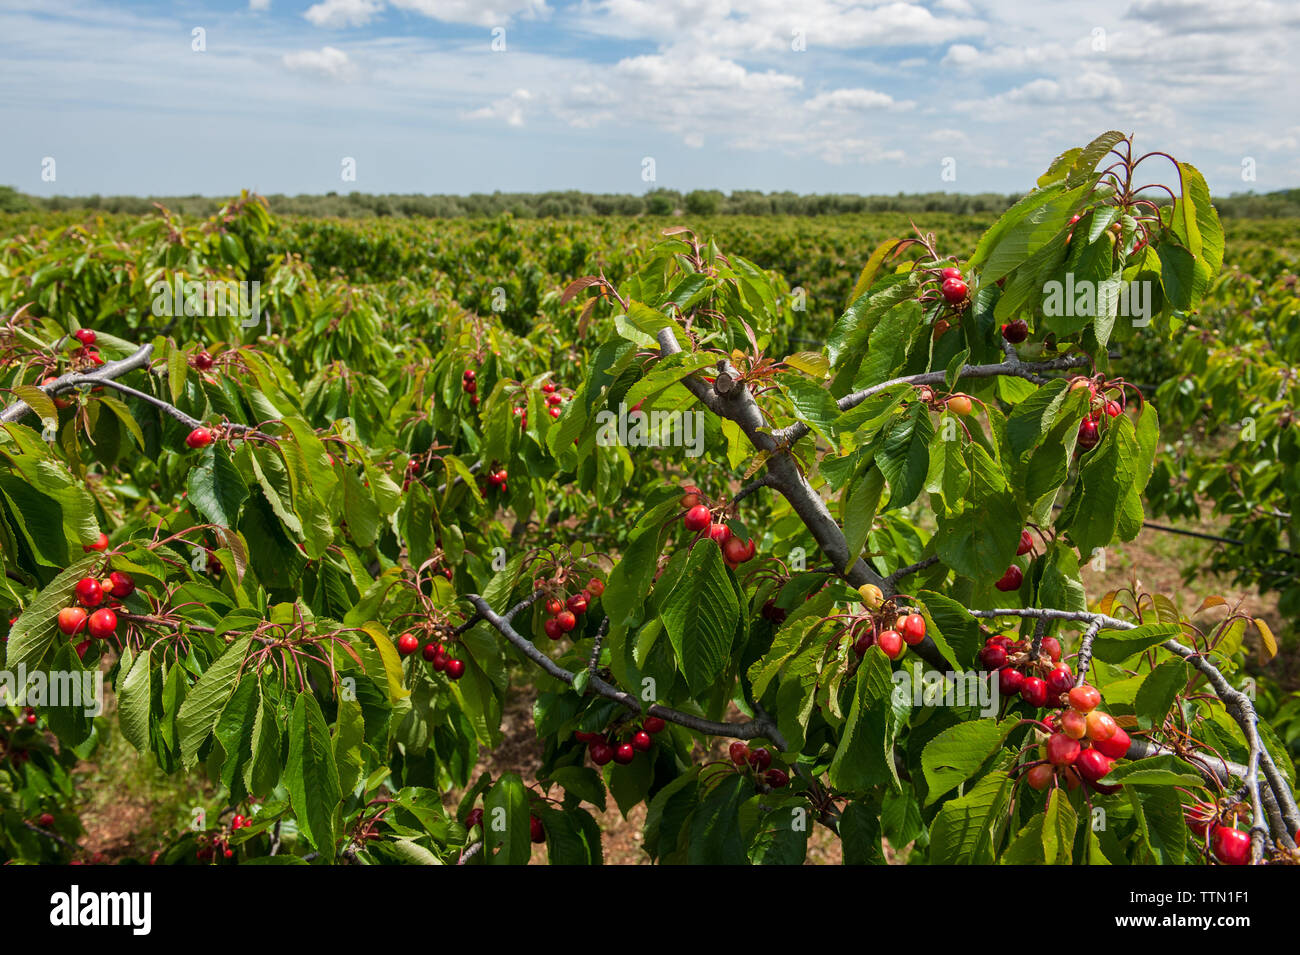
column 553, row 402
column 435, row 653
column 1082, row 741
column 100, row 623
column 1014, row 576
column 563, row 612
column 1090, row 427
column 953, row 286
column 698, row 519
column 469, row 385
column 908, row 629
column 1230, row 845
column 496, row 478
column 759, row 761
column 602, row 748
column 87, row 353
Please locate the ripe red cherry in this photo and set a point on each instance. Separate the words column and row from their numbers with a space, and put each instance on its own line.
column 470, row 374
column 1085, row 698
column 455, row 669
column 1088, row 434
column 1062, row 750
column 1114, row 746
column 553, row 412
column 993, row 657
column 440, row 659
column 653, row 724
column 101, row 624
column 641, row 741
column 1092, row 765
column 90, row 592
column 1074, row 724
column 1101, row 726
column 1060, row 680
column 697, row 518
column 203, row 361
column 1016, row 331
column 624, row 753
column 1009, row 681
column 1033, row 691
column 566, row 620
column 776, row 778
column 1011, row 580
column 474, row 818
column 470, row 386
column 536, row 831
column 548, row 387
column 737, row 551
column 85, row 336
column 122, row 585
column 601, row 752
column 760, row 758
column 1052, row 647
column 431, row 652
column 1026, row 544
column 891, row 641
column 198, row 438
column 1113, row 409
column 72, row 620
column 720, row 533
column 739, row 753
column 554, row 606
column 81, row 649
column 912, row 628
column 1231, row 846
column 553, row 628
column 1198, row 818
column 690, row 499
column 954, row 290
column 46, row 819
column 101, row 544
column 577, row 603
column 407, row 644
column 951, row 272
column 1040, row 776
column 865, row 640
column 595, row 587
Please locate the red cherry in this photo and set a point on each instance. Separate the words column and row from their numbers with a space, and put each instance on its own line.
column 431, row 652
column 739, row 753
column 1231, row 846
column 1026, row 544
column 1040, row 776
column 548, row 387
column 101, row 624
column 566, row 620
column 1062, row 750
column 1074, row 724
column 470, row 386
column 951, row 272
column 407, row 644
column 1198, row 818
column 198, row 438
column 641, row 741
column 536, row 831
column 776, row 778
column 624, row 753
column 720, row 533
column 1114, row 746
column 1016, row 331
column 600, row 752
column 121, row 585
column 46, row 819
column 81, row 649
column 1009, row 681
column 553, row 628
column 891, row 641
column 697, row 518
column 577, row 603
column 912, row 627
column 1101, row 726
column 203, row 361
column 1092, row 765
column 760, row 758
column 653, row 724
column 455, row 669
column 554, row 400
column 440, row 659
column 1033, row 691
column 954, row 291
column 1088, row 434
column 993, row 657
column 90, row 592
column 1085, row 698
column 1052, row 647
column 1011, row 580
column 553, row 412
column 1060, row 680
column 554, row 606
column 72, row 620
column 864, row 642
column 469, row 374
column 101, row 544
column 596, row 586
column 1113, row 409
column 737, row 551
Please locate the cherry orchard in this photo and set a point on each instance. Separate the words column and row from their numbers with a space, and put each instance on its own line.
column 327, row 557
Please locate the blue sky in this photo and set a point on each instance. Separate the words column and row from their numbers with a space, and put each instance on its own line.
column 821, row 96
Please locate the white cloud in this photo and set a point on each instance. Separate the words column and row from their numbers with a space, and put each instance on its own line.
column 259, row 5
column 475, row 12
column 509, row 109
column 327, row 60
column 343, row 13
column 849, row 99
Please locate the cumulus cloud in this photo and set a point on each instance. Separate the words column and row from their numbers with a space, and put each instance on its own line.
column 343, row 13
column 508, row 109
column 327, row 61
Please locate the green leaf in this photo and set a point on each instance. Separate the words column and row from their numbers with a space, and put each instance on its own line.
column 205, row 701
column 311, row 775
column 865, row 755
column 506, row 829
column 957, row 753
column 1116, row 646
column 715, row 828
column 700, row 616
column 134, row 688
column 37, row 628
column 1158, row 690
column 215, row 487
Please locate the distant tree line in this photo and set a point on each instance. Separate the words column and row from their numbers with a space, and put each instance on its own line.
column 574, row 204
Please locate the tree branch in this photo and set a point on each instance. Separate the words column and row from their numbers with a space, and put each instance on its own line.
column 102, row 375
